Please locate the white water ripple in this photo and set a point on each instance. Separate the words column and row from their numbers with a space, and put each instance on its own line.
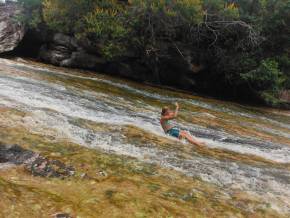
column 74, row 103
column 55, row 108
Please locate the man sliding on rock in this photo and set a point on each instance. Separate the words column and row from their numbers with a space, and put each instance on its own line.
column 169, row 129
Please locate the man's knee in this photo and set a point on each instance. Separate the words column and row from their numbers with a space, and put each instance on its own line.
column 183, row 133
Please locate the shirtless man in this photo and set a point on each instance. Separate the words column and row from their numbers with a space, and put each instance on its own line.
column 169, row 129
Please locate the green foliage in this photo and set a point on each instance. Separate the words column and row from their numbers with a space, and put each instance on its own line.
column 237, row 40
column 221, row 9
column 98, row 21
column 112, row 50
column 252, row 11
column 276, row 24
column 66, row 16
column 214, row 6
column 105, row 24
column 270, row 98
column 266, row 77
column 190, row 10
column 231, row 11
column 32, row 16
column 284, row 65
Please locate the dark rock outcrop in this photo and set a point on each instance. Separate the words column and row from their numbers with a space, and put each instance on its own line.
column 36, row 164
column 66, row 51
column 11, row 30
column 176, row 70
column 130, row 69
column 31, row 43
column 15, row 154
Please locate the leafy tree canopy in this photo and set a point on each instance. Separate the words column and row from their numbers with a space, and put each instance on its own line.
column 244, row 43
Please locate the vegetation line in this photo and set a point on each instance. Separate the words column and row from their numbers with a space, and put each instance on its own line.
column 238, row 49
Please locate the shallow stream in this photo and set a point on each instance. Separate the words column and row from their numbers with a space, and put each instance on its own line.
column 248, row 148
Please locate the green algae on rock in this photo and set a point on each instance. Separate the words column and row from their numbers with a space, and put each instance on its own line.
column 108, row 130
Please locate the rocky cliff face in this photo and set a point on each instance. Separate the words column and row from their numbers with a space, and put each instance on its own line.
column 66, row 51
column 11, row 30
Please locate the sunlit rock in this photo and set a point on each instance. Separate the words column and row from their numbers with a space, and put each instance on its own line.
column 11, row 30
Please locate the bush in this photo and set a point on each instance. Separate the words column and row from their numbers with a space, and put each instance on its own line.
column 32, row 16
column 66, row 16
column 284, row 65
column 107, row 25
column 236, row 40
column 267, row 77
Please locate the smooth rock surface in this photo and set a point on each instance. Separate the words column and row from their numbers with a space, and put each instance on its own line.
column 177, row 70
column 11, row 30
column 63, row 50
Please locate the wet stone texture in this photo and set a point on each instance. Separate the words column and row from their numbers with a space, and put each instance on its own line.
column 109, row 130
column 36, row 164
column 11, row 31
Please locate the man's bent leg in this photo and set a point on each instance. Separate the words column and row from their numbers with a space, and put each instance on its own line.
column 192, row 140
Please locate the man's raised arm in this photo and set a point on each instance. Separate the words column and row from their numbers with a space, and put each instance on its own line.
column 176, row 109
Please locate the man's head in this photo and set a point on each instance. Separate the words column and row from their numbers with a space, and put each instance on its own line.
column 165, row 111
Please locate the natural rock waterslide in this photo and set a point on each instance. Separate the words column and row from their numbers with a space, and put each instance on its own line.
column 59, row 112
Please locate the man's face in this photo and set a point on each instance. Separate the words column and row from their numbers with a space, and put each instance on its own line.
column 169, row 112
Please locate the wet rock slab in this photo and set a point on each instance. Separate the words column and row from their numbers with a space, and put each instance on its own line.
column 11, row 31
column 36, row 164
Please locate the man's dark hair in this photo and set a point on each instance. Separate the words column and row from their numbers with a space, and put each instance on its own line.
column 164, row 110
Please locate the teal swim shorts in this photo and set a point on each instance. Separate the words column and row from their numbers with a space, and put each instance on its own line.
column 174, row 132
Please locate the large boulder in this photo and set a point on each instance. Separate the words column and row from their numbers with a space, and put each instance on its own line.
column 66, row 51
column 83, row 60
column 11, row 30
column 178, row 69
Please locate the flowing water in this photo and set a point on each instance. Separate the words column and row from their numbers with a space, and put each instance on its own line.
column 247, row 148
